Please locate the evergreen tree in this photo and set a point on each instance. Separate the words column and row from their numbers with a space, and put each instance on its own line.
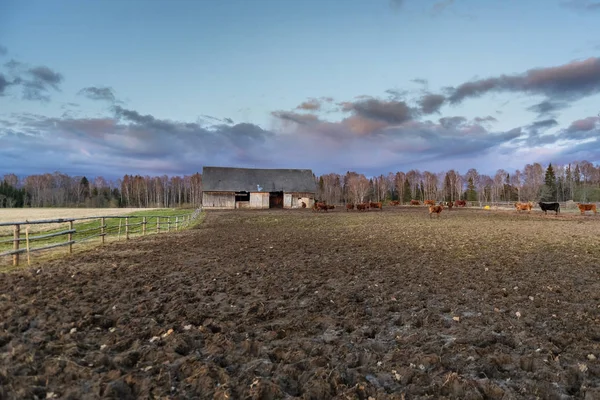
column 447, row 187
column 407, row 192
column 85, row 187
column 577, row 175
column 471, row 194
column 549, row 189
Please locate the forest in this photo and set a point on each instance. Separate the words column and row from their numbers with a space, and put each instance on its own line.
column 578, row 181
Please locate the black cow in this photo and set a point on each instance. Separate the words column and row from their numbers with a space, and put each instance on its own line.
column 549, row 207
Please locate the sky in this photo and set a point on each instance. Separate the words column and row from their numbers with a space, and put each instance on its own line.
column 156, row 87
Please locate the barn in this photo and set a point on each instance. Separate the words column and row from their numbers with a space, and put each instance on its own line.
column 232, row 188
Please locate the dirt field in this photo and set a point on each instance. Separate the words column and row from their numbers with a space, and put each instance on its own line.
column 294, row 304
column 33, row 214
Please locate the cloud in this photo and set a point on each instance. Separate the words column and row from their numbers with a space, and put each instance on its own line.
column 440, row 6
column 584, row 125
column 98, row 93
column 46, row 76
column 36, row 83
column 302, row 119
column 431, row 103
column 127, row 142
column 3, row 84
column 390, row 112
column 310, row 105
column 489, row 118
column 582, row 5
column 548, row 107
column 544, row 124
column 571, row 81
column 396, row 3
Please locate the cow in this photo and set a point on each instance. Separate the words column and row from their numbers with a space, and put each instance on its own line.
column 303, row 205
column 394, row 203
column 435, row 209
column 361, row 207
column 376, row 205
column 449, row 204
column 320, row 206
column 524, row 206
column 546, row 206
column 349, row 206
column 586, row 207
column 331, row 207
column 414, row 202
column 460, row 203
column 429, row 202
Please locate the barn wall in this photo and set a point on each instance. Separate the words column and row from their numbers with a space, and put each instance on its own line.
column 294, row 200
column 218, row 200
column 259, row 200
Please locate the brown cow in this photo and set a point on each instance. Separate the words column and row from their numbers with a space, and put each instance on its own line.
column 349, row 206
column 450, row 205
column 320, row 206
column 376, row 205
column 435, row 209
column 524, row 206
column 460, row 203
column 394, row 203
column 361, row 207
column 429, row 202
column 414, row 202
column 331, row 207
column 586, row 207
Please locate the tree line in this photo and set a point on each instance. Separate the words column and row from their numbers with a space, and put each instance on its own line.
column 578, row 181
column 62, row 190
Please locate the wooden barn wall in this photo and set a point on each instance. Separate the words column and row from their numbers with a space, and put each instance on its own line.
column 259, row 200
column 294, row 200
column 218, row 200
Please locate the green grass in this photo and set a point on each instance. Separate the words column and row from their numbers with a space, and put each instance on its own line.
column 115, row 228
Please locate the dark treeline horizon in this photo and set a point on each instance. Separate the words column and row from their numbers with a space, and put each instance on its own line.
column 61, row 190
column 578, row 181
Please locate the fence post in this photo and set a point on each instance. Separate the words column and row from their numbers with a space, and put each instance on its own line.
column 70, row 237
column 168, row 224
column 102, row 232
column 144, row 226
column 126, row 228
column 16, row 238
column 157, row 224
column 176, row 223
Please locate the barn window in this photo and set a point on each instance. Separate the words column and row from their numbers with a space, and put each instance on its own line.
column 242, row 196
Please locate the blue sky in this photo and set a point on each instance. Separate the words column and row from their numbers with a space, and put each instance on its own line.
column 165, row 87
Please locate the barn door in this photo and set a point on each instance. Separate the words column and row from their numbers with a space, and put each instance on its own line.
column 275, row 199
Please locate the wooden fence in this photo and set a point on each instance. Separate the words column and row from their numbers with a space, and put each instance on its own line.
column 91, row 227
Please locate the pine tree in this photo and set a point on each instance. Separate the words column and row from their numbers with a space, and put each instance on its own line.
column 549, row 188
column 471, row 194
column 85, row 187
column 407, row 192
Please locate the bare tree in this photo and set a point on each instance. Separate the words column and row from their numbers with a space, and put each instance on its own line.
column 358, row 188
column 516, row 182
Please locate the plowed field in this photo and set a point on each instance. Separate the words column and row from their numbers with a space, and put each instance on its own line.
column 296, row 304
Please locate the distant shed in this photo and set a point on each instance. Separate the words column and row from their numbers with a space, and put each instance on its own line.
column 231, row 188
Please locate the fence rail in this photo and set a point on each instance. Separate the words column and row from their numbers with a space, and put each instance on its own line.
column 88, row 230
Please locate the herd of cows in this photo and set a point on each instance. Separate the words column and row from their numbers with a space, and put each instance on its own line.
column 553, row 206
column 438, row 208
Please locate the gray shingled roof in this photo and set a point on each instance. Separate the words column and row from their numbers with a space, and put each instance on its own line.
column 224, row 179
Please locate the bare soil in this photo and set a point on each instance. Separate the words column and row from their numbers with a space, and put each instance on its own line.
column 296, row 304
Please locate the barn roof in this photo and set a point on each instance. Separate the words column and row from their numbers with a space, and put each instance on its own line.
column 225, row 179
